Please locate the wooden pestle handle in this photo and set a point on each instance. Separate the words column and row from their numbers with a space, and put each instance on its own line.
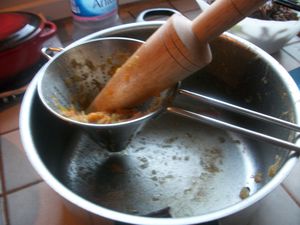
column 176, row 50
column 221, row 16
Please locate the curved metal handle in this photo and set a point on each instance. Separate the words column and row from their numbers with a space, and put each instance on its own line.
column 156, row 12
column 49, row 51
column 224, row 125
column 240, row 110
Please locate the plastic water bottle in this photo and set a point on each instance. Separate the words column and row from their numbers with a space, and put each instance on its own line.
column 93, row 15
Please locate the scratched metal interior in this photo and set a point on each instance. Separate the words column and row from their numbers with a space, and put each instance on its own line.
column 175, row 162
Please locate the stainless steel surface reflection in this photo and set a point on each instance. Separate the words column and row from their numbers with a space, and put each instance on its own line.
column 195, row 169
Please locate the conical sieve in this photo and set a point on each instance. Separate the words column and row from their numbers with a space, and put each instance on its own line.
column 74, row 77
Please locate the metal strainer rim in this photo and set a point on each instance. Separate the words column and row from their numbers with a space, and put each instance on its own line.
column 86, row 124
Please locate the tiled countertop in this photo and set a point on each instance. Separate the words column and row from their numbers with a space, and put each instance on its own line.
column 25, row 199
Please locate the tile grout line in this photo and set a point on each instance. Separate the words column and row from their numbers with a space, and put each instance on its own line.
column 131, row 14
column 4, row 196
column 290, row 195
column 172, row 4
column 91, row 222
column 291, row 55
column 9, row 131
column 179, row 9
column 23, row 187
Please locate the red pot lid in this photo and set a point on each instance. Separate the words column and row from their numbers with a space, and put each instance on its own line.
column 16, row 27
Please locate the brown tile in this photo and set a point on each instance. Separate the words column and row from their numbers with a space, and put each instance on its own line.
column 9, row 119
column 184, row 6
column 40, row 205
column 126, row 17
column 17, row 169
column 65, row 30
column 97, row 220
column 1, row 171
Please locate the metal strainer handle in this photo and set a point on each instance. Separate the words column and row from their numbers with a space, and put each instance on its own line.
column 239, row 110
column 49, row 51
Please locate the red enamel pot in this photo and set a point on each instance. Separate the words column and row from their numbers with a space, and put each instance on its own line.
column 21, row 37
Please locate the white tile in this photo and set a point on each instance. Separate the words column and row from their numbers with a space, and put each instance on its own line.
column 17, row 169
column 292, row 183
column 277, row 209
column 40, row 205
column 288, row 62
column 294, row 40
column 293, row 50
column 122, row 2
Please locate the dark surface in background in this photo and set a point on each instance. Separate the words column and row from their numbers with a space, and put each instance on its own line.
column 12, row 91
column 22, row 78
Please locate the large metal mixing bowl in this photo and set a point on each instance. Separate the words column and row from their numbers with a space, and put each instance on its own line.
column 196, row 170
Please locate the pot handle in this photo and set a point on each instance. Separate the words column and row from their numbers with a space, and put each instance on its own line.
column 155, row 12
column 48, row 30
column 48, row 52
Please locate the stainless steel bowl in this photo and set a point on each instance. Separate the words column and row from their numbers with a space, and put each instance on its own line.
column 196, row 170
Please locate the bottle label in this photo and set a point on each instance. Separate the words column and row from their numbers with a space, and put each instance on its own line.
column 93, row 9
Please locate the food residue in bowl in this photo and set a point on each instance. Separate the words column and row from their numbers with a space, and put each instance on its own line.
column 245, row 192
column 274, row 167
column 258, row 178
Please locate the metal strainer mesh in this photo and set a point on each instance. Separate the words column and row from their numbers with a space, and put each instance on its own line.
column 77, row 75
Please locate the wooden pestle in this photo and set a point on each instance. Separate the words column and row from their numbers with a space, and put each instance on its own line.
column 176, row 50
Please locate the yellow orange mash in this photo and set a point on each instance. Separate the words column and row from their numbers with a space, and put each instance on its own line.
column 101, row 117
